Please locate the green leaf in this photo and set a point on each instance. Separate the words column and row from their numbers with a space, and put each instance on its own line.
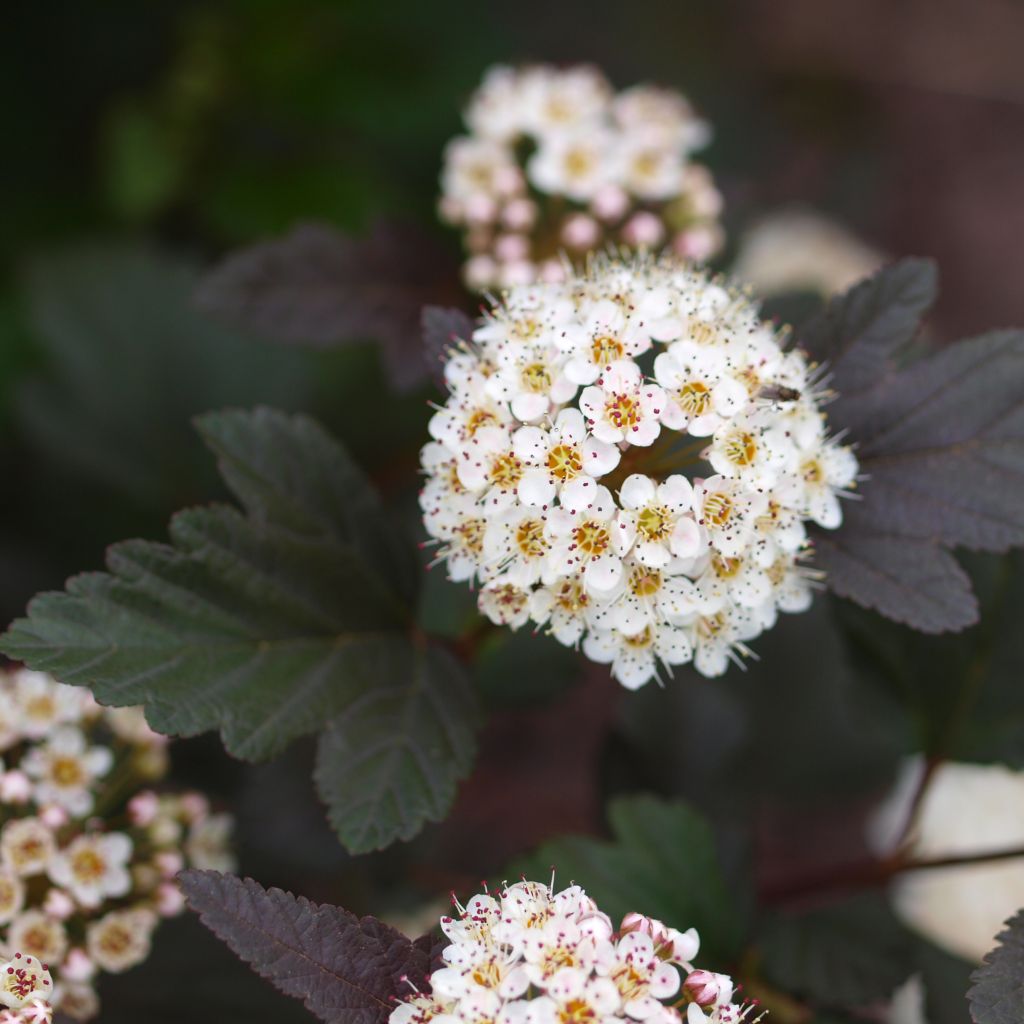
column 272, row 624
column 946, row 979
column 662, row 862
column 391, row 759
column 997, row 996
column 129, row 361
column 846, row 955
column 962, row 691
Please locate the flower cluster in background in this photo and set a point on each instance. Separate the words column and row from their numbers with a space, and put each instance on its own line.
column 533, row 956
column 557, row 162
column 557, row 471
column 88, row 854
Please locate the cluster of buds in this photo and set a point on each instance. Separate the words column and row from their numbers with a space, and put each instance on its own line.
column 529, row 955
column 556, row 162
column 26, row 988
column 628, row 459
column 88, row 853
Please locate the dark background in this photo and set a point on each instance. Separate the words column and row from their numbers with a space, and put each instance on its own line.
column 196, row 128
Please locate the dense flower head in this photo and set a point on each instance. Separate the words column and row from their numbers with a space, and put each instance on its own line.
column 556, row 161
column 530, row 955
column 627, row 459
column 88, row 853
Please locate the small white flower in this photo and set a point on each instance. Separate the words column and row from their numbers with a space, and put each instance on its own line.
column 576, row 166
column 37, row 934
column 634, row 658
column 23, row 979
column 580, row 531
column 27, row 846
column 623, row 407
column 65, row 770
column 729, row 513
column 121, row 939
column 12, row 894
column 656, row 522
column 702, row 393
column 554, row 457
column 94, row 867
column 44, row 704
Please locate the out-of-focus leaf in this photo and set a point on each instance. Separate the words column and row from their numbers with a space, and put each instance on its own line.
column 516, row 669
column 271, row 624
column 946, row 980
column 847, row 955
column 443, row 328
column 997, row 996
column 317, row 286
column 859, row 332
column 662, row 862
column 908, row 580
column 962, row 691
column 130, row 361
column 346, row 970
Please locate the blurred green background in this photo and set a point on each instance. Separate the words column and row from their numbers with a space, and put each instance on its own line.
column 143, row 140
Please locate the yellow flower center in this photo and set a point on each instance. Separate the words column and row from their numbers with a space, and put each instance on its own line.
column 536, row 378
column 643, row 639
column 87, row 865
column 718, row 508
column 726, row 568
column 812, row 471
column 506, row 471
column 654, row 522
column 622, row 412
column 605, row 350
column 564, row 461
column 694, row 398
column 477, row 419
column 530, row 538
column 740, row 448
column 591, row 537
column 67, row 771
column 471, row 534
column 644, row 582
column 576, row 1011
column 571, row 596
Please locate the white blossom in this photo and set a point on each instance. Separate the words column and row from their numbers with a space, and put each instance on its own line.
column 530, row 955
column 651, row 522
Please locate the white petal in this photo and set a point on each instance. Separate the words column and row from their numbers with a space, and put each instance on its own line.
column 637, row 490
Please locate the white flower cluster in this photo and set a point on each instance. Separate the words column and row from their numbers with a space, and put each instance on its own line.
column 88, row 857
column 555, row 161
column 556, row 474
column 533, row 956
column 25, row 990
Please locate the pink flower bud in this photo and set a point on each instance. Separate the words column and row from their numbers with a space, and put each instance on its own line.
column 644, row 228
column 53, row 817
column 510, row 248
column 169, row 863
column 195, row 806
column 143, row 807
column 59, row 904
column 519, row 214
column 170, row 901
column 77, row 966
column 705, row 988
column 610, row 203
column 15, row 788
column 481, row 209
column 580, row 231
column 508, row 181
column 551, row 271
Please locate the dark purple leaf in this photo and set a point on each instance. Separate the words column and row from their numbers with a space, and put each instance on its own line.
column 997, row 996
column 346, row 970
column 915, row 582
column 317, row 286
column 942, row 445
column 859, row 332
column 443, row 328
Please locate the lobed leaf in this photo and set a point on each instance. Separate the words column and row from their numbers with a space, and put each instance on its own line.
column 380, row 781
column 847, row 955
column 859, row 333
column 270, row 625
column 940, row 445
column 318, row 286
column 997, row 996
column 345, row 970
column 662, row 861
